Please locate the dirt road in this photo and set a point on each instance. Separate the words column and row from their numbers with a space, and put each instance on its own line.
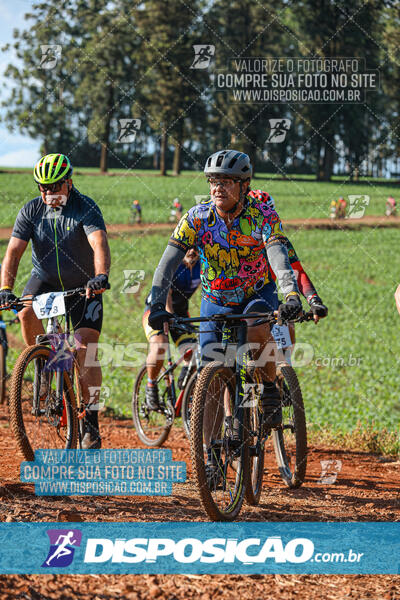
column 115, row 229
column 366, row 489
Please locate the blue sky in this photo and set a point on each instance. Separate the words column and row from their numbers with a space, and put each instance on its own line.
column 15, row 149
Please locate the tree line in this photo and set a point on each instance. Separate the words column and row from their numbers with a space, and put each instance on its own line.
column 87, row 68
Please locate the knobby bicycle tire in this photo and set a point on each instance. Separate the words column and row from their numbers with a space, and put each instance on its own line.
column 255, row 471
column 293, row 478
column 214, row 512
column 32, row 353
column 165, row 429
column 3, row 370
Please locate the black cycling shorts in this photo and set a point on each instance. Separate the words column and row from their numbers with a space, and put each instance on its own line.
column 84, row 312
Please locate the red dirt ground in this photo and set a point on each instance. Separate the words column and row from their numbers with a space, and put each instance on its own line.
column 366, row 490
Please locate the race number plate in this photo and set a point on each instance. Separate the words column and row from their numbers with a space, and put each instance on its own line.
column 281, row 336
column 49, row 305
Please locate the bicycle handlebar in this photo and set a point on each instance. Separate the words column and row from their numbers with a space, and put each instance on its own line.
column 22, row 301
column 269, row 317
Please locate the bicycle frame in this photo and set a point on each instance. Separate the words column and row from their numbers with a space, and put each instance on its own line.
column 194, row 360
column 242, row 356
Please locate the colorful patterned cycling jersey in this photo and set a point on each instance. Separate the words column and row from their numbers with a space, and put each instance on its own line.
column 234, row 263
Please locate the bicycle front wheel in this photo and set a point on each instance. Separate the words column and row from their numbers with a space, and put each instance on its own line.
column 290, row 440
column 218, row 457
column 152, row 426
column 36, row 419
column 255, row 438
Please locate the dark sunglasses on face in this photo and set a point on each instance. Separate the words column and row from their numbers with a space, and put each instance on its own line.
column 51, row 187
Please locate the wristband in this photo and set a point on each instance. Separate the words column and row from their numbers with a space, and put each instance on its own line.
column 6, row 287
column 292, row 294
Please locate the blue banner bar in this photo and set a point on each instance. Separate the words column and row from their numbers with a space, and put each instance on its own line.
column 244, row 548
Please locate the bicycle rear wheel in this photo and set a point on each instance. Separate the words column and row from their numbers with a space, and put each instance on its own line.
column 290, row 440
column 214, row 399
column 152, row 426
column 187, row 402
column 48, row 429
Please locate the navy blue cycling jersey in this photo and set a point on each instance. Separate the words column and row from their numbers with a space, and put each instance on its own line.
column 61, row 254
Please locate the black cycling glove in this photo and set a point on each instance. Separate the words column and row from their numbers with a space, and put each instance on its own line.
column 158, row 316
column 7, row 297
column 100, row 282
column 291, row 309
column 318, row 308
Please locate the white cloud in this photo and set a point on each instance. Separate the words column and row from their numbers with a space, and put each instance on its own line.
column 20, row 158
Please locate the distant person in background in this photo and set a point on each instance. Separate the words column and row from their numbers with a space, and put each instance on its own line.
column 136, row 212
column 341, row 208
column 333, row 214
column 390, row 207
column 176, row 211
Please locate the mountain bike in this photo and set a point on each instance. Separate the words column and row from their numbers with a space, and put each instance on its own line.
column 45, row 403
column 153, row 426
column 227, row 424
column 3, row 355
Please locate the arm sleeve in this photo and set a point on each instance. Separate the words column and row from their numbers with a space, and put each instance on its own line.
column 305, row 284
column 170, row 261
column 279, row 261
column 23, row 226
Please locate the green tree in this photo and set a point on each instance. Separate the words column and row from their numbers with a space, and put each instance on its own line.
column 170, row 92
column 38, row 97
column 104, row 55
column 244, row 29
column 330, row 29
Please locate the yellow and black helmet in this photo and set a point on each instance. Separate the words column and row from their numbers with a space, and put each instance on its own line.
column 52, row 168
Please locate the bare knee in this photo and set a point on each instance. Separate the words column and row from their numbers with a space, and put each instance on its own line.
column 26, row 315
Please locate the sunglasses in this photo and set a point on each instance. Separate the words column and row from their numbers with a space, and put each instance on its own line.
column 223, row 182
column 51, row 187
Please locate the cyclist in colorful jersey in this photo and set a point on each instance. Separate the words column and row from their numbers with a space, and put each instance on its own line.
column 238, row 238
column 184, row 284
column 69, row 250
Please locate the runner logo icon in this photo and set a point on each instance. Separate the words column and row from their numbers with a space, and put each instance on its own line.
column 279, row 129
column 203, row 55
column 62, row 546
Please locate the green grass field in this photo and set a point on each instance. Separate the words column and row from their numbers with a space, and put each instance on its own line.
column 114, row 194
column 353, row 376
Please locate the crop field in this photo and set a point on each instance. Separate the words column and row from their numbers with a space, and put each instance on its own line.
column 348, row 363
column 299, row 198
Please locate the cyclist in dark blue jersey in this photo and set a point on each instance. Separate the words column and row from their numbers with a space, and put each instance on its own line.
column 69, row 250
